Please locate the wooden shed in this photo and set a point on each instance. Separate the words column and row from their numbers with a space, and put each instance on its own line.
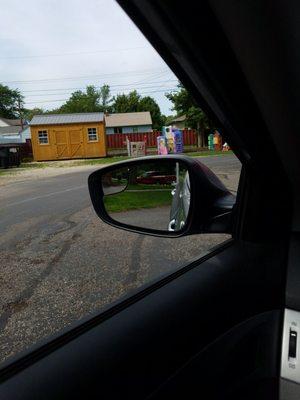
column 67, row 136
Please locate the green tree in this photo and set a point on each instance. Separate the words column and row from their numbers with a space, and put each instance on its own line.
column 90, row 100
column 149, row 104
column 123, row 103
column 29, row 113
column 134, row 102
column 164, row 119
column 11, row 103
column 184, row 104
column 105, row 98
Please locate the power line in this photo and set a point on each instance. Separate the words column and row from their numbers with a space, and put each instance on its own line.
column 73, row 54
column 98, row 86
column 141, row 82
column 57, row 100
column 123, row 73
column 121, row 87
column 166, row 88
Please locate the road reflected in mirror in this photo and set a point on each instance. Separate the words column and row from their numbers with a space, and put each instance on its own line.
column 150, row 195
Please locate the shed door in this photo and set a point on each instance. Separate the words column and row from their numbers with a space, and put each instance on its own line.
column 61, row 142
column 76, row 143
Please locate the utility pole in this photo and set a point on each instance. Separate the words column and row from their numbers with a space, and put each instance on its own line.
column 20, row 114
column 199, row 135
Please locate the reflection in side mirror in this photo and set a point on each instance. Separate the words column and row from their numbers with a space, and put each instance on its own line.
column 148, row 195
column 166, row 196
column 115, row 182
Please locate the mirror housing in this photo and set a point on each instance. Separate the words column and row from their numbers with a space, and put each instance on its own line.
column 211, row 203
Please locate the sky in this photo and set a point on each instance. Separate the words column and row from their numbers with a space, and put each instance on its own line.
column 50, row 48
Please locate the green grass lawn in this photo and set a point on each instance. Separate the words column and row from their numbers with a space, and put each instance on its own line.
column 97, row 161
column 8, row 171
column 125, row 201
column 148, row 187
column 73, row 163
column 34, row 165
column 110, row 160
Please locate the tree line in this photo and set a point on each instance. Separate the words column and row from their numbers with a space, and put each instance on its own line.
column 93, row 100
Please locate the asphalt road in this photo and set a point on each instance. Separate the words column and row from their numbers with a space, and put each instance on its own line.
column 59, row 262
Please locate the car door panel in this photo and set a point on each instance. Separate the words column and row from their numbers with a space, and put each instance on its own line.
column 243, row 358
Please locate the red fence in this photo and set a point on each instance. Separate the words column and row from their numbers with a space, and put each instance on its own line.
column 118, row 140
column 189, row 137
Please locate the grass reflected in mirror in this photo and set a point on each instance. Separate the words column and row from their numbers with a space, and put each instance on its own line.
column 137, row 198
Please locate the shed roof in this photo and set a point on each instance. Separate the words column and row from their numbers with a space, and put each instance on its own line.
column 57, row 119
column 128, row 119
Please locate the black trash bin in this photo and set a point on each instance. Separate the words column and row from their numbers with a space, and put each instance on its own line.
column 9, row 155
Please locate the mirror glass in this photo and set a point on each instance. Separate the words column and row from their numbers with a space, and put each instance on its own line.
column 151, row 195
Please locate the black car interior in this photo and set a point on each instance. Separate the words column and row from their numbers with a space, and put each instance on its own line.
column 212, row 329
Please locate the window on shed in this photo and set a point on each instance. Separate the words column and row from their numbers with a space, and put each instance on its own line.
column 92, row 135
column 43, row 137
column 118, row 130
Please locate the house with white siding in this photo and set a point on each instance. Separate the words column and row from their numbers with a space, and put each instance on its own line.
column 11, row 122
column 134, row 122
column 12, row 131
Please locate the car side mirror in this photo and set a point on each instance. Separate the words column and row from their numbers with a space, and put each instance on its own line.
column 166, row 196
